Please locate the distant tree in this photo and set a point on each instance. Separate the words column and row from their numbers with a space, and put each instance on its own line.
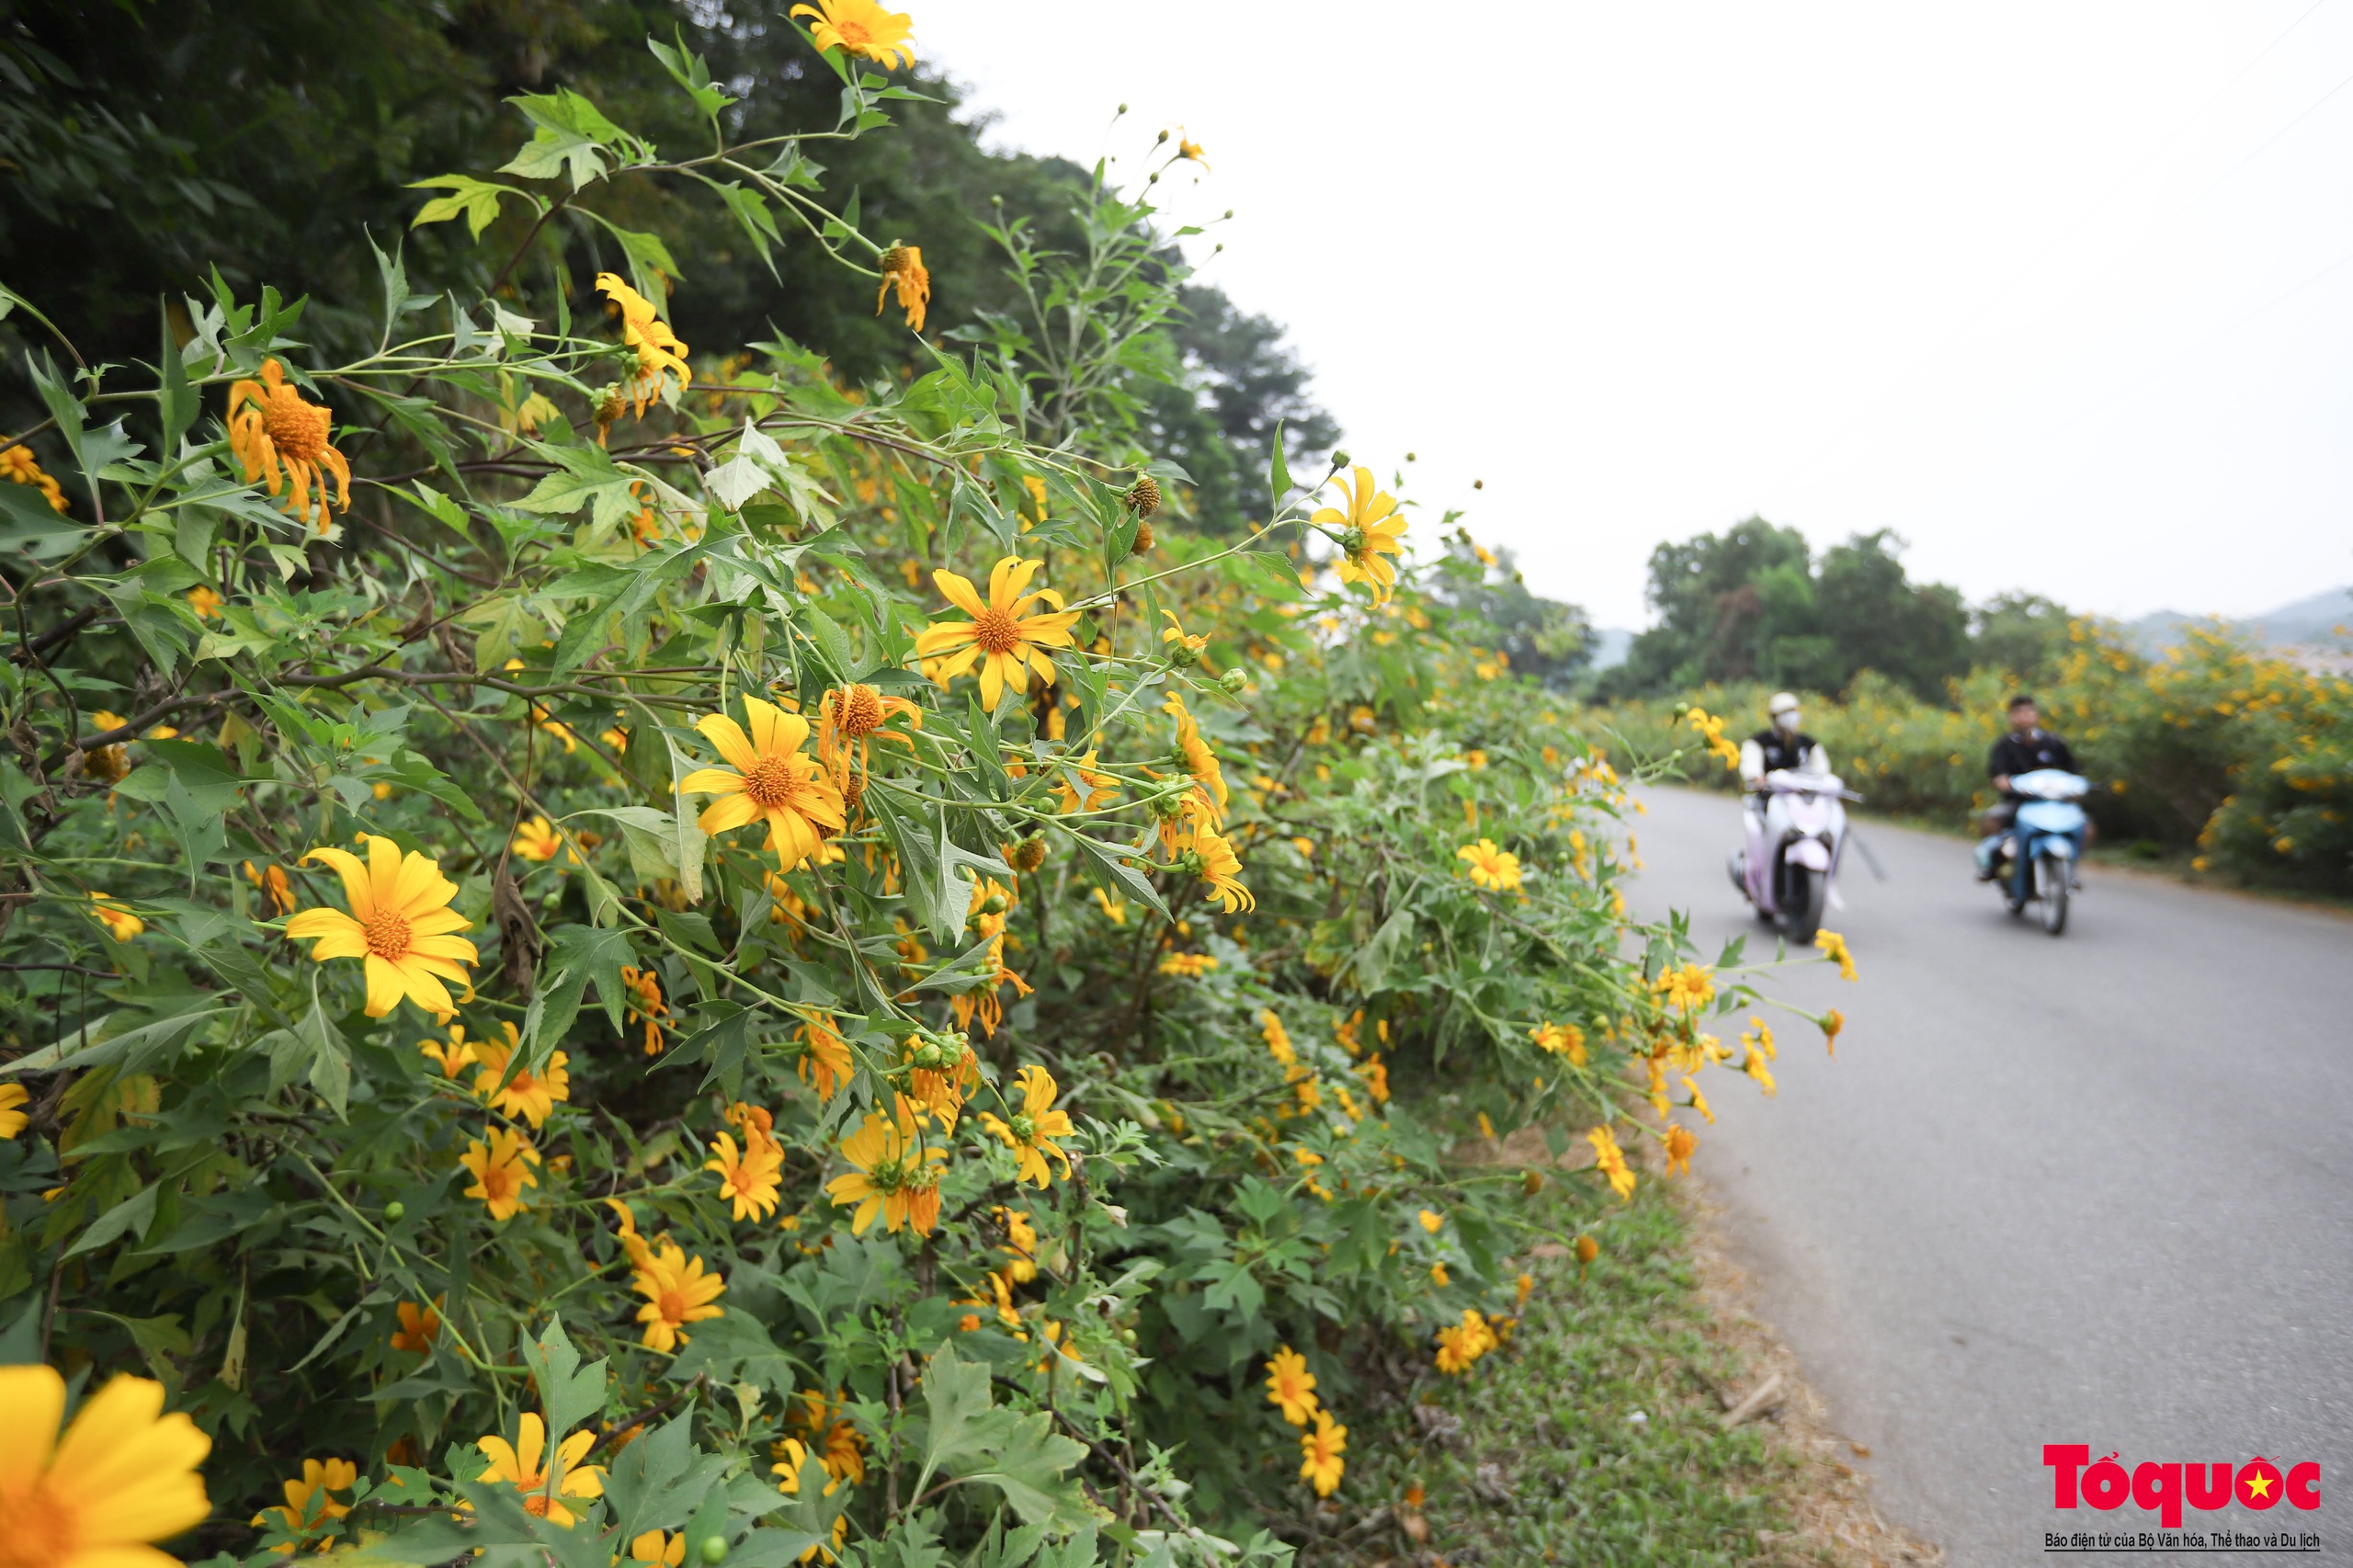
column 2021, row 634
column 1752, row 604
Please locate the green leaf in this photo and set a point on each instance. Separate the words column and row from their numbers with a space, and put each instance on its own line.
column 973, row 1441
column 175, row 401
column 477, row 200
column 569, row 138
column 569, row 1392
column 330, row 1058
column 1108, row 862
column 583, row 952
column 138, row 1209
column 833, row 644
column 1277, row 470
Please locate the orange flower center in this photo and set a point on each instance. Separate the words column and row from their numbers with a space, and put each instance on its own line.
column 388, row 934
column 772, row 782
column 996, row 631
column 297, row 429
column 674, row 1306
column 536, row 1502
column 861, row 711
column 854, row 34
column 500, row 1183
column 40, row 1530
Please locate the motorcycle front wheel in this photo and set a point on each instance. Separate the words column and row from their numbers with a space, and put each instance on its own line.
column 1806, row 891
column 2050, row 876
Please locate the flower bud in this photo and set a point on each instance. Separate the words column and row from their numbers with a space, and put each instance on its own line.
column 1478, row 484
column 1030, row 853
column 395, row 1211
column 1144, row 496
column 1184, row 655
column 1162, row 137
column 714, row 1550
column 992, row 905
column 1340, row 458
column 1234, row 682
column 1123, row 109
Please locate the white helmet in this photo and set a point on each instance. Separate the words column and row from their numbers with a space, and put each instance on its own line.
column 1783, row 702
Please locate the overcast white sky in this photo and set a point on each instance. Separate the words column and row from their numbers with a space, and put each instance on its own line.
column 2063, row 293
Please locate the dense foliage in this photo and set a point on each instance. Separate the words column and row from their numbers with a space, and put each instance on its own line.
column 143, row 146
column 2244, row 758
column 620, row 948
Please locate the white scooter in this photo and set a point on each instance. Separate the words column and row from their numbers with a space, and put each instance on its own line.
column 1796, row 831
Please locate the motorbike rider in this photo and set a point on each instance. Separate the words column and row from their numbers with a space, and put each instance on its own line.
column 1780, row 745
column 2024, row 748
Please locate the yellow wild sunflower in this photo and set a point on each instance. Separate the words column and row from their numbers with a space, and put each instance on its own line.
column 904, row 270
column 1370, row 528
column 121, row 923
column 310, row 1508
column 525, row 1463
column 747, row 1180
column 536, row 840
column 1491, row 867
column 1319, row 1463
column 825, row 1058
column 1101, row 788
column 1031, row 1133
column 893, row 1175
column 122, row 1475
column 1611, row 1161
column 678, row 1293
column 852, row 716
column 13, row 1120
column 18, row 466
column 768, row 778
column 420, row 1326
column 502, row 1169
column 1681, row 1141
column 1193, row 756
column 658, row 349
column 401, row 924
column 861, row 27
column 1215, row 862
column 275, row 433
column 1005, row 637
column 527, row 1095
column 1291, row 1387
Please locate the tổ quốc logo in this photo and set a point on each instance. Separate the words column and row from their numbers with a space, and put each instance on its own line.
column 2079, row 1481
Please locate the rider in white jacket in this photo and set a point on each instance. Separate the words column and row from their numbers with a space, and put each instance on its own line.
column 1782, row 747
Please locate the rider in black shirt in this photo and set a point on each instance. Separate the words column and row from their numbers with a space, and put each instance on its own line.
column 2026, row 747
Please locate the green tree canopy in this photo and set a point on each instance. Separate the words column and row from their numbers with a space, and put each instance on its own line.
column 1754, row 604
column 143, row 145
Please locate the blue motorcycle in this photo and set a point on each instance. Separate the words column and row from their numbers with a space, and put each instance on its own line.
column 2045, row 844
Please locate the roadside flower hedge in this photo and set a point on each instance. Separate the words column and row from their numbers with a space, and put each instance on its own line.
column 618, row 951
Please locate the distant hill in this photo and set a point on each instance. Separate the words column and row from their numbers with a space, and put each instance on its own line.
column 2310, row 622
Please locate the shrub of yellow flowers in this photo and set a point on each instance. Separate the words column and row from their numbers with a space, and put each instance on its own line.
column 618, row 953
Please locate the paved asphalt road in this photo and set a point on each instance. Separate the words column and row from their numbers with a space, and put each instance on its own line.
column 2095, row 1189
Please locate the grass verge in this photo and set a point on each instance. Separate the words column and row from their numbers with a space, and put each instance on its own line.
column 1597, row 1434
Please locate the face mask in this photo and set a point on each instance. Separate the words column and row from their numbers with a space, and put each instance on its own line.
column 1786, row 721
